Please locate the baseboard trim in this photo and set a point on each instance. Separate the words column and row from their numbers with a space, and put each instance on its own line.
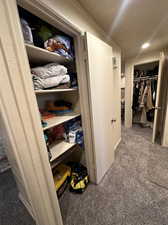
column 116, row 145
column 26, row 204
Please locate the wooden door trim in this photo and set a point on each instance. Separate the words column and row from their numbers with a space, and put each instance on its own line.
column 85, row 107
column 157, row 96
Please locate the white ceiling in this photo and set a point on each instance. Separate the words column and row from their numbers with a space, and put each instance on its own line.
column 132, row 22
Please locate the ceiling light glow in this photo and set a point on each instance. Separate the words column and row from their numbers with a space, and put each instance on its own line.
column 145, row 45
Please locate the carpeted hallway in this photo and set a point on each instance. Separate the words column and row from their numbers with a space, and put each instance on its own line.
column 134, row 192
column 12, row 211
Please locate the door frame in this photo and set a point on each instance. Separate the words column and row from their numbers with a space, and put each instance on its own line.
column 48, row 14
column 157, row 100
column 129, row 72
column 157, row 94
column 161, row 120
column 63, row 24
column 43, row 181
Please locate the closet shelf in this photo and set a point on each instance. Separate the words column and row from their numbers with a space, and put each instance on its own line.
column 38, row 55
column 59, row 148
column 55, row 90
column 155, row 77
column 55, row 121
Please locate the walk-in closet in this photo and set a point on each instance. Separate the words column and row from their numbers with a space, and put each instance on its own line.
column 144, row 93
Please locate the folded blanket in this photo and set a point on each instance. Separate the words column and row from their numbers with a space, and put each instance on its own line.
column 49, row 82
column 49, row 70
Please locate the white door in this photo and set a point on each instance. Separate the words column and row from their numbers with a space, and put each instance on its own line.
column 160, row 102
column 100, row 82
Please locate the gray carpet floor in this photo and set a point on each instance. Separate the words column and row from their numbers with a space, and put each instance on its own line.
column 133, row 192
column 12, row 211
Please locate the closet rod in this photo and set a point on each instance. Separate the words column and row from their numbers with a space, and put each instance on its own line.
column 146, row 78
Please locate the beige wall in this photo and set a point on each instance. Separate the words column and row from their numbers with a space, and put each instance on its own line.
column 73, row 12
column 129, row 67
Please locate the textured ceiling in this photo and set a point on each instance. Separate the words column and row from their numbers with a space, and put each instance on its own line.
column 132, row 22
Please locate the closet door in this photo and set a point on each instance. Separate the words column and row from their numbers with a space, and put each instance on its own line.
column 100, row 84
column 161, row 101
column 159, row 130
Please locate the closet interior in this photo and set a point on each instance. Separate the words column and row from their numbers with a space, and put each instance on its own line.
column 144, row 93
column 51, row 55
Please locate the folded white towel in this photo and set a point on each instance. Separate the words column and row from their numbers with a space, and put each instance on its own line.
column 49, row 70
column 49, row 82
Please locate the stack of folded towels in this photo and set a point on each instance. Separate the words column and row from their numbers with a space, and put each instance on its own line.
column 50, row 75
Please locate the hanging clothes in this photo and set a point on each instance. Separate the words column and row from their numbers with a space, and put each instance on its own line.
column 147, row 97
column 154, row 89
column 143, row 101
column 143, row 117
column 146, row 102
column 141, row 91
column 136, row 97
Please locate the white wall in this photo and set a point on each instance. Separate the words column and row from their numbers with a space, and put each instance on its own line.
column 129, row 67
column 77, row 15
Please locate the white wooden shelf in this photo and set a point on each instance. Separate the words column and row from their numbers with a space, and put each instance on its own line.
column 60, row 148
column 55, row 90
column 38, row 55
column 55, row 121
column 155, row 77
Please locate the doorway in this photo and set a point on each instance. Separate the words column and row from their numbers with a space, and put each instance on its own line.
column 145, row 85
